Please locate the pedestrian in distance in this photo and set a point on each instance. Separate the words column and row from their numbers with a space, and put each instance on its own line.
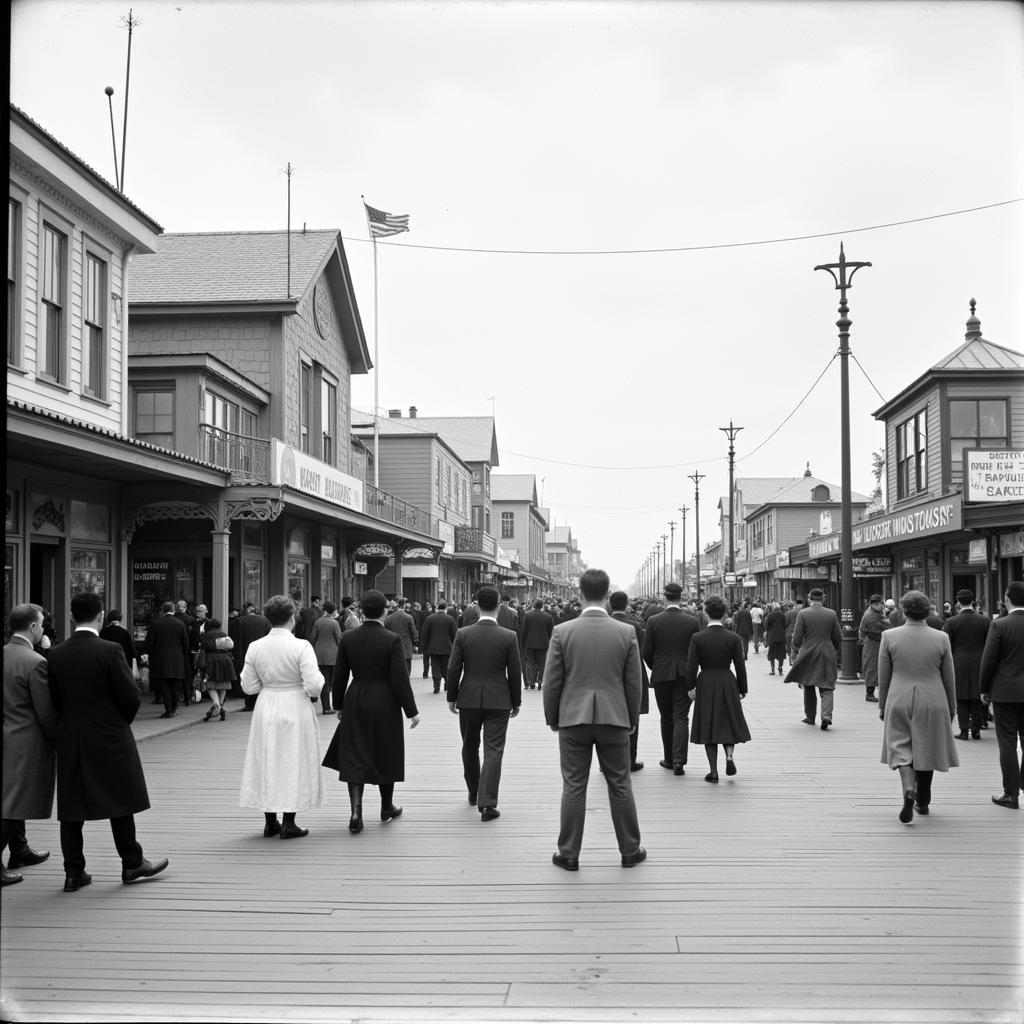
column 253, row 626
column 281, row 771
column 1002, row 684
column 216, row 667
column 436, row 639
column 816, row 644
column 425, row 613
column 30, row 740
column 917, row 702
column 535, row 636
column 400, row 622
column 743, row 625
column 592, row 691
column 791, row 614
column 757, row 620
column 325, row 635
column 715, row 655
column 169, row 656
column 485, row 689
column 114, row 630
column 967, row 631
column 99, row 773
column 368, row 745
column 775, row 637
column 873, row 624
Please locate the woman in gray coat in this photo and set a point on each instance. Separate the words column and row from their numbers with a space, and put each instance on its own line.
column 917, row 702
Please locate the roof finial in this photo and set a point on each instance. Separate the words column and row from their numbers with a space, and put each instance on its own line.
column 807, row 471
column 973, row 324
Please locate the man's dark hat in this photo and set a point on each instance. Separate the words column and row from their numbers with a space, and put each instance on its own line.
column 673, row 591
column 373, row 603
column 965, row 596
column 876, row 599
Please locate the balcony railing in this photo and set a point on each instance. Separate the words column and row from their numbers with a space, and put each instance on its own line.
column 382, row 505
column 248, row 458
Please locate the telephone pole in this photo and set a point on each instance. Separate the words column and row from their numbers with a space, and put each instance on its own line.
column 672, row 551
column 696, row 478
column 682, row 510
column 731, row 432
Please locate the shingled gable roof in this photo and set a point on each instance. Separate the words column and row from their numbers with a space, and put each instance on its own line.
column 235, row 270
column 514, row 487
column 756, row 490
column 472, row 438
column 800, row 492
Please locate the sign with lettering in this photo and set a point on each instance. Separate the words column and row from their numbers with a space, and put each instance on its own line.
column 977, row 552
column 943, row 516
column 782, row 559
column 295, row 469
column 822, row 546
column 866, row 565
column 446, row 533
column 1011, row 544
column 993, row 475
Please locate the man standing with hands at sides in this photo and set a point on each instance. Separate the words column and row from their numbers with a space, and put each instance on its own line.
column 536, row 635
column 170, row 657
column 402, row 623
column 873, row 624
column 666, row 648
column 485, row 689
column 967, row 631
column 99, row 774
column 436, row 639
column 1002, row 683
column 816, row 644
column 30, row 736
column 592, row 692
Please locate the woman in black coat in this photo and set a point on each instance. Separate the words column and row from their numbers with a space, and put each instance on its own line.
column 113, row 630
column 218, row 671
column 369, row 744
column 715, row 691
column 775, row 637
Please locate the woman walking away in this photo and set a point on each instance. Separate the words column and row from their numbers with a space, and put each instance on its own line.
column 775, row 637
column 715, row 691
column 325, row 637
column 917, row 702
column 369, row 744
column 218, row 666
column 282, row 760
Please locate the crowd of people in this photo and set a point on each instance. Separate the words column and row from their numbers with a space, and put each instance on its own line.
column 68, row 706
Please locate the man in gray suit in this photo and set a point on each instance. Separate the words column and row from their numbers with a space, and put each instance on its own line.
column 592, row 692
column 30, row 740
column 485, row 689
column 816, row 644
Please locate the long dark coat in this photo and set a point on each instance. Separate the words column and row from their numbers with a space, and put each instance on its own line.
column 968, row 632
column 167, row 643
column 645, row 700
column 369, row 743
column 99, row 774
column 816, row 643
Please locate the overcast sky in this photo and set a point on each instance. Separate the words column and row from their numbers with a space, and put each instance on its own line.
column 593, row 127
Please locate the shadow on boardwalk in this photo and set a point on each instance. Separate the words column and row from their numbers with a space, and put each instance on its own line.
column 790, row 893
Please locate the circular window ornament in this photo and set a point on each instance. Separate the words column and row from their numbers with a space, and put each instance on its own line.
column 323, row 314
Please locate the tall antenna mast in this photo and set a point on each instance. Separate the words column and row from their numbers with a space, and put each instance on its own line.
column 129, row 22
column 288, row 172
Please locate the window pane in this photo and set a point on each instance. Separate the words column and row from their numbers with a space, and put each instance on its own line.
column 963, row 419
column 90, row 521
column 95, row 356
column 163, row 402
column 992, row 418
column 12, row 238
column 956, row 450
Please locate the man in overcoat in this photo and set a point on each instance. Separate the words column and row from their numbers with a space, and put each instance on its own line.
column 99, row 774
column 873, row 624
column 436, row 639
column 1002, row 683
column 816, row 644
column 251, row 626
column 30, row 738
column 170, row 660
column 618, row 602
column 535, row 636
column 968, row 631
column 485, row 689
column 403, row 624
column 743, row 624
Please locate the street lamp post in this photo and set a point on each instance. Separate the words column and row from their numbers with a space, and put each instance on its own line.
column 847, row 616
column 672, row 551
column 664, row 559
column 696, row 478
column 731, row 432
column 657, row 566
column 682, row 510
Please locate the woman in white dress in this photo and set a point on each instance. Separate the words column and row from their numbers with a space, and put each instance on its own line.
column 282, row 761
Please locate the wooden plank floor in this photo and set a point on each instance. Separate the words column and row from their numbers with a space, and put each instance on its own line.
column 790, row 893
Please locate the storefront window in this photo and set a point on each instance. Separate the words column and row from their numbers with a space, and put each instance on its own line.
column 90, row 521
column 88, row 572
column 974, row 424
column 329, row 567
column 298, row 576
column 298, row 543
column 252, row 582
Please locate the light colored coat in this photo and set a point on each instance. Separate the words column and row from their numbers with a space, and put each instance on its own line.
column 592, row 673
column 917, row 698
column 30, row 734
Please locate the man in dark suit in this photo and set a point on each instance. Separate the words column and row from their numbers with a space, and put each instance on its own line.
column 251, row 626
column 1002, row 683
column 592, row 691
column 99, row 774
column 507, row 617
column 470, row 614
column 170, row 661
column 305, row 619
column 485, row 689
column 619, row 603
column 535, row 636
column 967, row 632
column 743, row 626
column 436, row 642
column 816, row 644
column 666, row 647
column 403, row 624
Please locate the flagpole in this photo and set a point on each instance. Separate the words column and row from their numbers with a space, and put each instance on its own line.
column 376, row 375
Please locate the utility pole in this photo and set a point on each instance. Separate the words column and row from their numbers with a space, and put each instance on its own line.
column 731, row 432
column 672, row 551
column 657, row 566
column 696, row 478
column 682, row 509
column 664, row 559
column 847, row 615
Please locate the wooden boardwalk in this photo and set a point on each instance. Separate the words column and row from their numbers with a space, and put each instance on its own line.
column 790, row 893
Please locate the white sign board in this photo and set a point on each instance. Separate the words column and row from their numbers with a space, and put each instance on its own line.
column 996, row 475
column 295, row 469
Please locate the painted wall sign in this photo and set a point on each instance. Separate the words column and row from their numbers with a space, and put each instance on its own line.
column 993, row 475
column 865, row 565
column 943, row 516
column 1011, row 544
column 295, row 469
column 823, row 545
column 977, row 552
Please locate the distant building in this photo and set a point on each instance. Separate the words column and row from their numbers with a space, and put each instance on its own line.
column 521, row 527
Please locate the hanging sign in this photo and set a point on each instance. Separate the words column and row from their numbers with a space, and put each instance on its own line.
column 994, row 475
column 295, row 469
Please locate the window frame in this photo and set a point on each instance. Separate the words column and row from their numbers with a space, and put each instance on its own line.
column 916, row 459
column 50, row 220
column 305, row 402
column 155, row 388
column 16, row 204
column 92, row 252
column 508, row 525
column 328, row 419
column 977, row 441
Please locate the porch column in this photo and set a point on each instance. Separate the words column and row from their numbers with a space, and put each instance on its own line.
column 397, row 546
column 219, row 594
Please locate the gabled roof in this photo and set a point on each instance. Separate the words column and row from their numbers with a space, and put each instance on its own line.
column 756, row 490
column 559, row 535
column 514, row 487
column 472, row 438
column 800, row 492
column 362, row 427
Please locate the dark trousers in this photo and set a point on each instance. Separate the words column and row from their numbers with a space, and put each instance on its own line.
column 535, row 658
column 576, row 746
column 72, row 847
column 1009, row 727
column 969, row 715
column 438, row 669
column 758, row 637
column 674, row 709
column 426, row 664
column 169, row 688
column 811, row 702
column 250, row 701
column 327, row 671
column 634, row 740
column 483, row 780
column 745, row 640
column 12, row 834
column 408, row 666
column 923, row 787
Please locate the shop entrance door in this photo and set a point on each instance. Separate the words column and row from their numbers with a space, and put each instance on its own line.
column 45, row 556
column 968, row 581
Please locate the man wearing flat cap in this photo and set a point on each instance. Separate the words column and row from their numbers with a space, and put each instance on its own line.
column 666, row 648
column 816, row 643
column 872, row 625
column 968, row 631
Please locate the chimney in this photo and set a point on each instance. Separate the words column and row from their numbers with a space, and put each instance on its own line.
column 412, row 412
column 395, row 414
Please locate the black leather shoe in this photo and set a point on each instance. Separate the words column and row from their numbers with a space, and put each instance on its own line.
column 976, row 735
column 871, row 698
column 72, row 883
column 636, row 766
column 293, row 832
column 390, row 813
column 630, row 860
column 921, row 808
column 565, row 863
column 147, row 869
column 962, row 736
column 730, row 767
column 27, row 858
column 907, row 810
column 489, row 813
column 807, row 721
column 678, row 769
column 1013, row 802
column 167, row 714
column 472, row 798
column 667, row 764
column 355, row 824
column 825, row 723
column 711, row 777
column 271, row 829
column 10, row 877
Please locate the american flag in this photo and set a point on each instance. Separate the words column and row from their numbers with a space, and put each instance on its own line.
column 382, row 223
